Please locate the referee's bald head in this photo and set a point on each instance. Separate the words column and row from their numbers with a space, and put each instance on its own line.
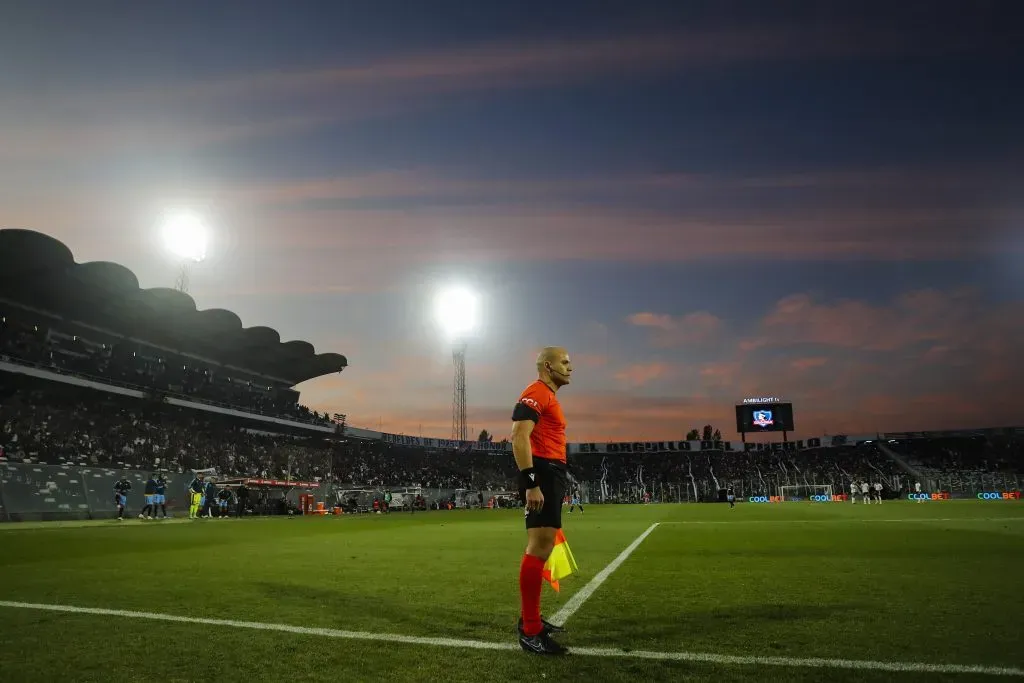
column 554, row 367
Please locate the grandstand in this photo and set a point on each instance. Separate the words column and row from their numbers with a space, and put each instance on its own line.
column 51, row 429
column 91, row 323
column 101, row 377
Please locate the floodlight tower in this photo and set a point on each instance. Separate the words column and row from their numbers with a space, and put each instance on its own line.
column 185, row 235
column 457, row 315
column 459, row 394
column 181, row 282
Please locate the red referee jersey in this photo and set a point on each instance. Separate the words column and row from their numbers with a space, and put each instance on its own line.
column 540, row 404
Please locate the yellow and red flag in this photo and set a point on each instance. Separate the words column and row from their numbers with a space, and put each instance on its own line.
column 560, row 562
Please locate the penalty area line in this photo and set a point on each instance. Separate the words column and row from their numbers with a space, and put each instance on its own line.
column 695, row 657
column 583, row 594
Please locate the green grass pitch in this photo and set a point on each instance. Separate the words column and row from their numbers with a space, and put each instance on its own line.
column 935, row 583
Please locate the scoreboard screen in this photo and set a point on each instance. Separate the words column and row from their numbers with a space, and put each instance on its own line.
column 764, row 417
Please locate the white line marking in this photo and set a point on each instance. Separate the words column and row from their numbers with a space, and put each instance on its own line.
column 699, row 657
column 94, row 524
column 581, row 596
column 261, row 626
column 847, row 521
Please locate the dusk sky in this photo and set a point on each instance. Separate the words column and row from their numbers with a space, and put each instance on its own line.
column 701, row 200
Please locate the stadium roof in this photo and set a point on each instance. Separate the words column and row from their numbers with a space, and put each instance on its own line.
column 39, row 271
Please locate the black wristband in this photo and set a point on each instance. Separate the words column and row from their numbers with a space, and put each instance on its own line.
column 528, row 478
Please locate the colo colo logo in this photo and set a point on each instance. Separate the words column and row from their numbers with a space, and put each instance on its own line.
column 1005, row 495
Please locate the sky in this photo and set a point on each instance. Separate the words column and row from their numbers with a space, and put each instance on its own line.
column 702, row 201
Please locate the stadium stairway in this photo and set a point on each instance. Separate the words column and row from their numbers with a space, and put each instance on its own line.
column 903, row 464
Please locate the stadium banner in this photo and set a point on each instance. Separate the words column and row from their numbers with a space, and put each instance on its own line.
column 276, row 483
column 999, row 495
column 444, row 444
column 614, row 447
column 941, row 495
column 728, row 446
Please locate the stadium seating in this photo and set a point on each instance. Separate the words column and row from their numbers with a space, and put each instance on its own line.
column 967, row 462
column 48, row 423
column 61, row 428
column 36, row 341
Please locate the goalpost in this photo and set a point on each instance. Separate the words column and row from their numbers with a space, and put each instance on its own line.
column 806, row 492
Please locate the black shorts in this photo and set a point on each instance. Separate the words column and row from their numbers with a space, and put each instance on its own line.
column 554, row 481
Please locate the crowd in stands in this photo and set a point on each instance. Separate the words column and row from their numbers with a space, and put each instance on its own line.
column 50, row 422
column 965, row 462
column 952, row 455
column 25, row 339
column 64, row 424
column 704, row 473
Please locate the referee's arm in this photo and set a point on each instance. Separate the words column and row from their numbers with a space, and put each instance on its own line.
column 523, row 453
column 521, row 449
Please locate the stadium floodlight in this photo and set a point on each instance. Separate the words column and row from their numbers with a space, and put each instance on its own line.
column 457, row 311
column 185, row 236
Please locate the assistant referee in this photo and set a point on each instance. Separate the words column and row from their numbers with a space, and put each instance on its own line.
column 538, row 443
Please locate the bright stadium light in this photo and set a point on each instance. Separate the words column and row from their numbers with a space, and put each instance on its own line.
column 457, row 312
column 185, row 236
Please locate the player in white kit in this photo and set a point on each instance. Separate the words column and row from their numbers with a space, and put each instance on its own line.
column 878, row 492
column 853, row 492
column 865, row 490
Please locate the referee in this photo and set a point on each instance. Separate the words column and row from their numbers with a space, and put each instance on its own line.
column 538, row 443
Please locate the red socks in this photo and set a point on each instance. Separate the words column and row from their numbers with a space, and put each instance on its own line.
column 531, row 580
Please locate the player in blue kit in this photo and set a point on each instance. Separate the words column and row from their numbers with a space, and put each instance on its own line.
column 121, row 488
column 159, row 498
column 209, row 500
column 223, row 501
column 574, row 501
column 149, row 511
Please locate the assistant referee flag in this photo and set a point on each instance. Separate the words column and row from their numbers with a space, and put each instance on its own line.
column 560, row 562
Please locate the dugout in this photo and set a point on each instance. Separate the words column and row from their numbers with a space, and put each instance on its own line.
column 503, row 499
column 356, row 500
column 268, row 496
column 405, row 497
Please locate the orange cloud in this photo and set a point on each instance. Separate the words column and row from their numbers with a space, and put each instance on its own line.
column 540, row 62
column 46, row 138
column 639, row 374
column 535, row 219
column 953, row 342
column 963, row 374
column 801, row 364
column 324, row 93
column 661, row 322
column 437, row 184
column 949, row 319
column 693, row 328
column 624, row 416
column 720, row 375
column 378, row 185
column 589, row 360
column 531, row 230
